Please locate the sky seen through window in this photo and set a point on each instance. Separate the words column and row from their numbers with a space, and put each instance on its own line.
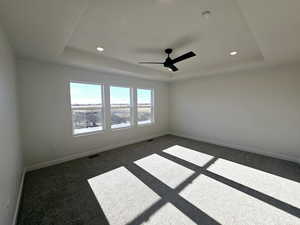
column 91, row 94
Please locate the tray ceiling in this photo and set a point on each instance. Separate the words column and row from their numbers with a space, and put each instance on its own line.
column 68, row 32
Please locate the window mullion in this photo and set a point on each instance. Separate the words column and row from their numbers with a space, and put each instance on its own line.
column 107, row 110
column 134, row 107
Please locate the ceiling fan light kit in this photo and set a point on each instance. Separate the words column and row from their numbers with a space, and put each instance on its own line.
column 169, row 63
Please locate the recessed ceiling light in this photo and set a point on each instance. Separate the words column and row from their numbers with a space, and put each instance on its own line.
column 170, row 69
column 233, row 53
column 100, row 49
column 206, row 14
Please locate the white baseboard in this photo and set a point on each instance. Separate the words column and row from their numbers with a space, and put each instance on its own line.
column 90, row 152
column 15, row 218
column 239, row 147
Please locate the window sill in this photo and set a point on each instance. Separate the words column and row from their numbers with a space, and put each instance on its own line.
column 88, row 133
column 113, row 130
column 120, row 128
column 145, row 124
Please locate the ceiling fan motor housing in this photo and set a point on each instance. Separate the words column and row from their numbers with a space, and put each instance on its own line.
column 168, row 51
column 169, row 63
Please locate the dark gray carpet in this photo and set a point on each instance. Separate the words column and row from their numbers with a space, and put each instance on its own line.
column 170, row 180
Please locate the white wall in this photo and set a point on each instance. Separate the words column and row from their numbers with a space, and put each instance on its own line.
column 11, row 163
column 254, row 110
column 46, row 115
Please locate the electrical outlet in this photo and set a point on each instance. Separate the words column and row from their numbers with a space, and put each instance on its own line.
column 7, row 204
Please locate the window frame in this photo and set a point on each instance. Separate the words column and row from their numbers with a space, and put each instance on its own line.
column 152, row 108
column 102, row 85
column 131, row 107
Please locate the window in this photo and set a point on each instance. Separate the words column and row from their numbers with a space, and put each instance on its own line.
column 144, row 106
column 120, row 107
column 87, row 108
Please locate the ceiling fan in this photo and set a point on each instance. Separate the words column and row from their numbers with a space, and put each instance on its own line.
column 169, row 63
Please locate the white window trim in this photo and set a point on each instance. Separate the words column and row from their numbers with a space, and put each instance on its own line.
column 131, row 107
column 106, row 107
column 152, row 108
column 102, row 111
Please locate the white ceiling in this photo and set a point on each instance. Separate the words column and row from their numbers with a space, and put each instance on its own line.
column 40, row 28
column 264, row 32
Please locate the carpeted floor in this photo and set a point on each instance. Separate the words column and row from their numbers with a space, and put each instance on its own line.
column 171, row 180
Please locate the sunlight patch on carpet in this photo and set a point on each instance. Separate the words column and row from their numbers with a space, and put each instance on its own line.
column 123, row 198
column 192, row 156
column 230, row 206
column 277, row 187
column 167, row 171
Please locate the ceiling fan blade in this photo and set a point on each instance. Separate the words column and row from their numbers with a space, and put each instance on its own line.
column 183, row 57
column 173, row 68
column 151, row 63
